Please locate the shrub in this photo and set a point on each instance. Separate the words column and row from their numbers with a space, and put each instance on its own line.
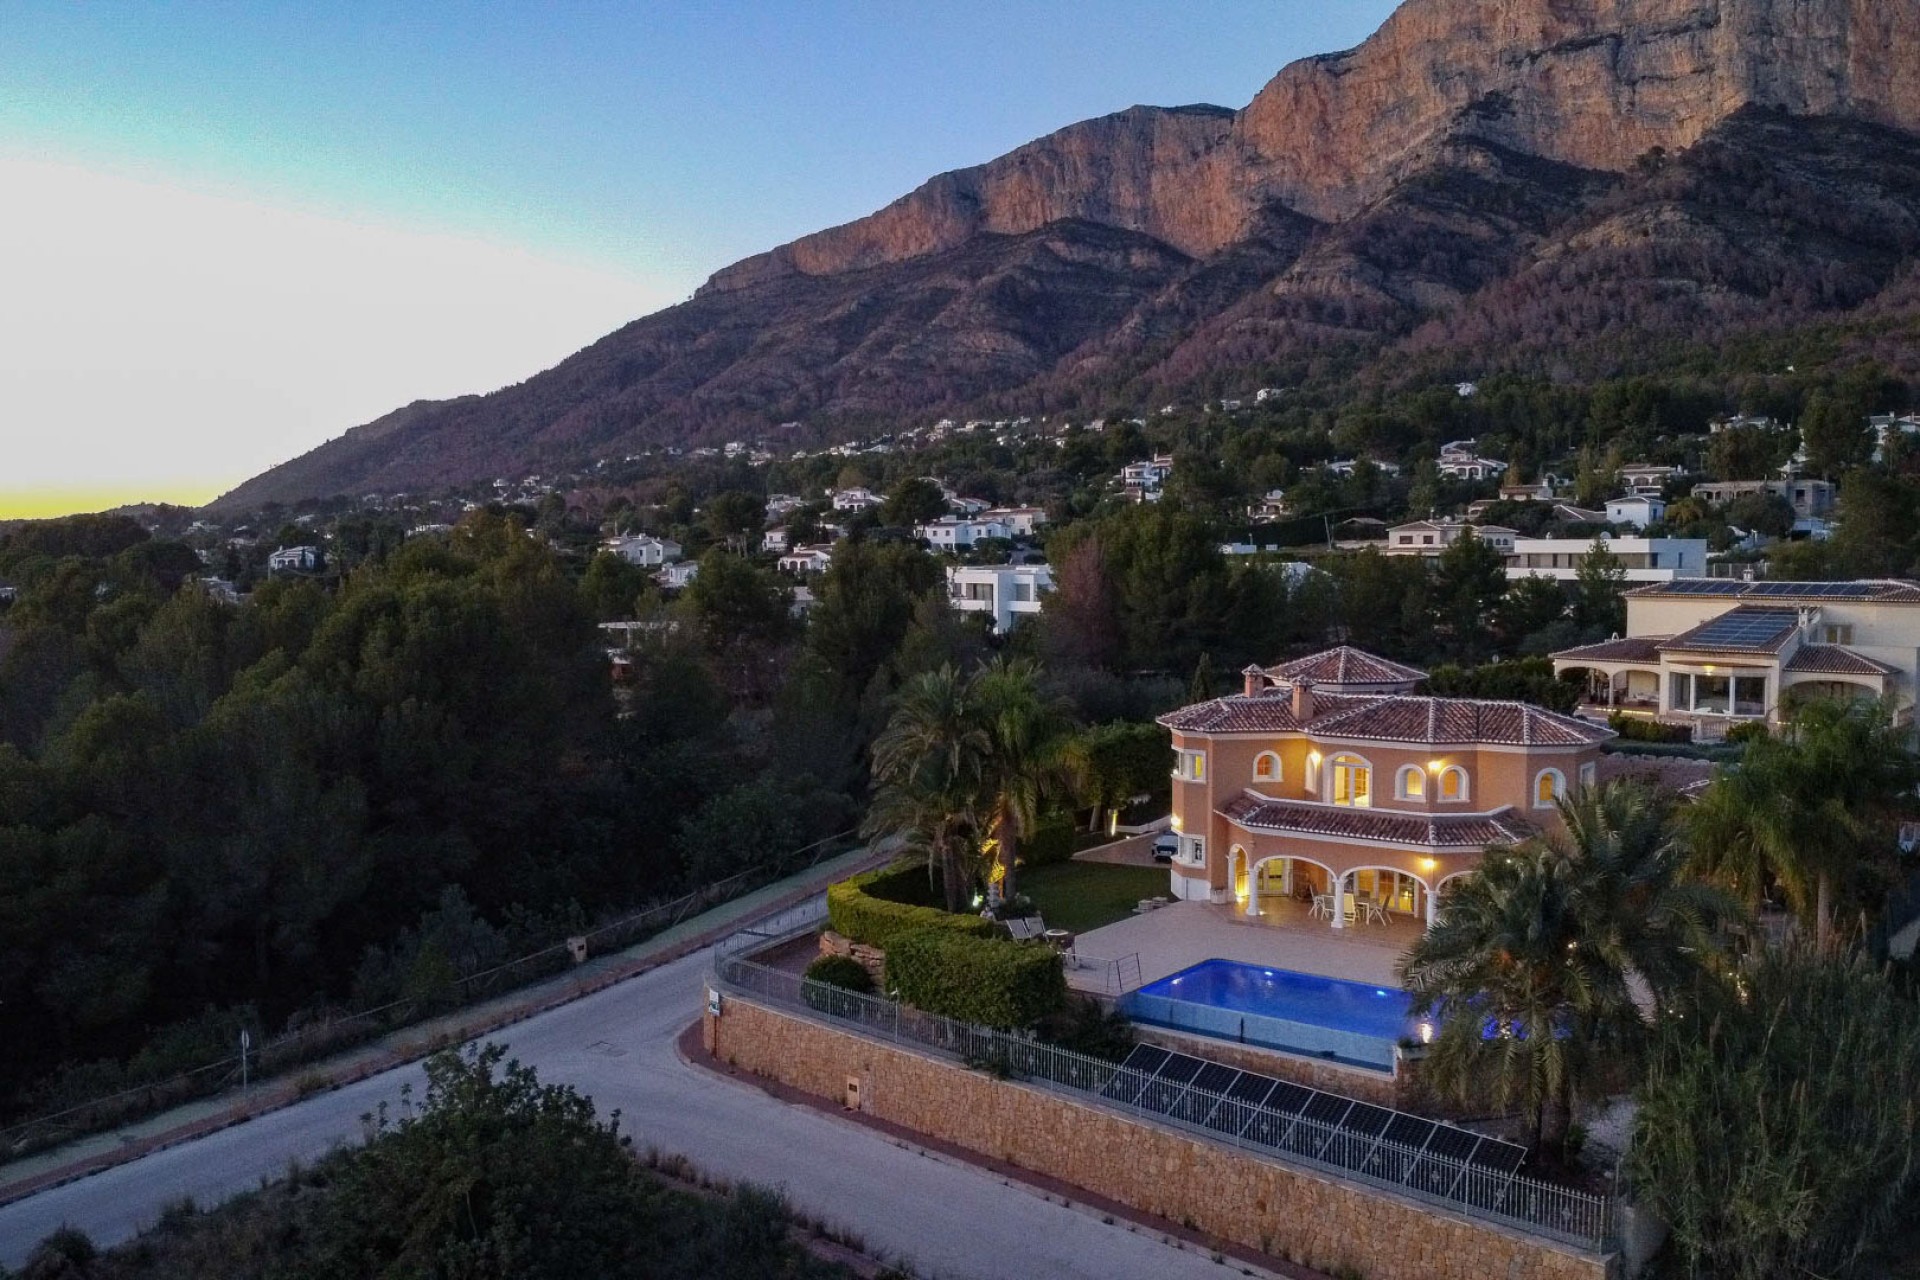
column 1050, row 842
column 983, row 980
column 1749, row 731
column 1638, row 729
column 841, row 971
column 1086, row 1026
column 1514, row 680
column 866, row 917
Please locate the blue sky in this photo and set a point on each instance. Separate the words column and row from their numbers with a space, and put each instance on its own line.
column 625, row 150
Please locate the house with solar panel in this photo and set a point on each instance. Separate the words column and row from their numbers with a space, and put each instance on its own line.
column 1711, row 653
column 1329, row 783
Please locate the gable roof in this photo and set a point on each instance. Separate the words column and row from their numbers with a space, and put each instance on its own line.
column 1399, row 718
column 1387, row 826
column 1625, row 649
column 1835, row 660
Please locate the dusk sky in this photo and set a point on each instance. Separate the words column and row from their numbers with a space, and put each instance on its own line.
column 231, row 231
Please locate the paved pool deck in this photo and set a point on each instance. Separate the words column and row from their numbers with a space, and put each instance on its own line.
column 1175, row 937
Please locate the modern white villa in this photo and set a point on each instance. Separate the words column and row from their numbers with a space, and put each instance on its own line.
column 1008, row 592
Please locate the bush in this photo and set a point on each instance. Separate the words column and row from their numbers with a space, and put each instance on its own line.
column 841, row 971
column 1515, row 680
column 982, row 980
column 1638, row 729
column 1749, row 731
column 857, row 912
column 1050, row 842
column 1086, row 1026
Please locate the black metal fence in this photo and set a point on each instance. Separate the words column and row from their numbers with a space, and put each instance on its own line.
column 1563, row 1214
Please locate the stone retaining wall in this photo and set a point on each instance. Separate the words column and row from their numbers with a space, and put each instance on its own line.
column 1351, row 1082
column 1316, row 1221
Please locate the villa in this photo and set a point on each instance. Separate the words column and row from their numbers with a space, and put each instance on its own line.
column 1327, row 780
column 1712, row 652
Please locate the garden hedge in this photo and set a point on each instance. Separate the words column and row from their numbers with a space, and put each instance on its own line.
column 856, row 909
column 989, row 981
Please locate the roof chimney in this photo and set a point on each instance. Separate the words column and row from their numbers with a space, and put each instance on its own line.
column 1255, row 678
column 1303, row 700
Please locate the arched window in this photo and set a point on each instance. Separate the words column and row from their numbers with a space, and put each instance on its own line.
column 1410, row 783
column 1588, row 773
column 1352, row 780
column 1453, row 784
column 1548, row 786
column 1266, row 767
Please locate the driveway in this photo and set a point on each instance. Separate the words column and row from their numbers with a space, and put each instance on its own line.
column 948, row 1219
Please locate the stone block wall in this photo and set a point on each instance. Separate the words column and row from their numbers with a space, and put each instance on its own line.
column 1352, row 1082
column 1319, row 1222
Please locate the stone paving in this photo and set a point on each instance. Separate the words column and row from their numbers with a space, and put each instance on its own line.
column 1175, row 937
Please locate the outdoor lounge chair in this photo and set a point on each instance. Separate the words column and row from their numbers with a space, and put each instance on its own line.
column 1026, row 928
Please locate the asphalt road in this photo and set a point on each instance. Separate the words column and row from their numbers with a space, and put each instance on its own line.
column 946, row 1218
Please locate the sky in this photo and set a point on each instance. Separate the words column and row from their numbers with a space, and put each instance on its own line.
column 230, row 231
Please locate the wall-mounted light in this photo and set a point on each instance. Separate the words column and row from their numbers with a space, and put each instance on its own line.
column 1435, row 766
column 1176, row 822
column 1428, row 864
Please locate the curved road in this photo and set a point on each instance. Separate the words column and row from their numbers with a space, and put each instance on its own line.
column 945, row 1218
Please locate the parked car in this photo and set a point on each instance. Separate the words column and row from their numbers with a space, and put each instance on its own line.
column 1165, row 845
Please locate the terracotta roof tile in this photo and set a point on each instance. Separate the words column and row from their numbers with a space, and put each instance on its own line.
column 1833, row 659
column 1629, row 649
column 1391, row 718
column 1346, row 665
column 1426, row 831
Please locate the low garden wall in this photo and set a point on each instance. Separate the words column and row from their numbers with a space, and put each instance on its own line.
column 1319, row 1222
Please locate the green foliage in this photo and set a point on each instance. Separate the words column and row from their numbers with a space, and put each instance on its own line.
column 913, row 502
column 1049, row 843
column 1748, row 731
column 841, row 971
column 988, row 981
column 1084, row 1025
column 1776, row 1131
column 858, row 914
column 1641, row 729
column 1121, row 760
column 1534, row 966
column 1517, row 680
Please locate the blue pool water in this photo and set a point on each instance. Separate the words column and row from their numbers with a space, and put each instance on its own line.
column 1300, row 1012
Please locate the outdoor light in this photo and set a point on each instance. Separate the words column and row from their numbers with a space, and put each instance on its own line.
column 1428, row 864
column 1434, row 766
column 1176, row 822
column 1426, row 1033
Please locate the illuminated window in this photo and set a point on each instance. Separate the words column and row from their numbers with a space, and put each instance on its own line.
column 1548, row 786
column 1411, row 783
column 1352, row 781
column 1190, row 766
column 1266, row 767
column 1453, row 783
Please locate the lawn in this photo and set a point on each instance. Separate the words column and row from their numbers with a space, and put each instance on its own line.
column 1085, row 895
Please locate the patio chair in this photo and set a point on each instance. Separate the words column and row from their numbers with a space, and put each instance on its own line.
column 1026, row 928
column 1375, row 911
column 1322, row 906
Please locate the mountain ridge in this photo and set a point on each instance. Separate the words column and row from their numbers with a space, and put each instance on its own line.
column 1359, row 197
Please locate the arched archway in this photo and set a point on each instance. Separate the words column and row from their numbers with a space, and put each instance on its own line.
column 1293, row 871
column 1395, row 889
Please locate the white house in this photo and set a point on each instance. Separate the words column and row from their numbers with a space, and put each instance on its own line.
column 675, row 576
column 644, row 550
column 805, row 561
column 774, row 539
column 1143, row 480
column 1647, row 479
column 1636, row 511
column 1020, row 521
column 1344, row 467
column 1642, row 559
column 1007, row 592
column 950, row 532
column 1470, row 467
column 294, row 560
column 856, row 499
column 1745, row 422
column 1270, row 508
column 1886, row 425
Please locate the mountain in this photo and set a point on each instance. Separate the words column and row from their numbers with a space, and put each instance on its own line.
column 1624, row 169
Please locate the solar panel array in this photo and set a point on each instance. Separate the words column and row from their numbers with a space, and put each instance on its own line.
column 1769, row 590
column 1742, row 629
column 1423, row 1155
column 1703, row 587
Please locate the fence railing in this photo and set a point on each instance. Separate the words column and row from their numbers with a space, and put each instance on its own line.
column 1116, row 977
column 1563, row 1214
column 336, row 1031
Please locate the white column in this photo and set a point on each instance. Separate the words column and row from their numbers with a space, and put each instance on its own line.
column 1433, row 899
column 1253, row 886
column 1340, row 902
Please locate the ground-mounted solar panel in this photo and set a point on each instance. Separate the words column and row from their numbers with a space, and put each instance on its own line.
column 1291, row 1098
column 1501, row 1157
column 1204, row 1093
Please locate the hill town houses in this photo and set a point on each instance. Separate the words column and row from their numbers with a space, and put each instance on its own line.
column 1328, row 781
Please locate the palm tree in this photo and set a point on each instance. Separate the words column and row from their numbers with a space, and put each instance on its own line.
column 927, row 766
column 1806, row 809
column 1559, row 953
column 1029, row 756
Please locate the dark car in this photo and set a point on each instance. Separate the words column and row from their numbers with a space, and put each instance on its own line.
column 1165, row 845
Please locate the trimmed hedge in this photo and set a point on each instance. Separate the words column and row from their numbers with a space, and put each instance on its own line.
column 841, row 971
column 1009, row 985
column 858, row 913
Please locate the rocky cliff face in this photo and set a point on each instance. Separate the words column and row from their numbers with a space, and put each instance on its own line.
column 1591, row 83
column 1481, row 172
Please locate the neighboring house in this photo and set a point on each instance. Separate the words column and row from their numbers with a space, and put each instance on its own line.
column 1327, row 777
column 1642, row 559
column 216, row 588
column 857, row 499
column 1636, row 511
column 675, row 576
column 1885, row 426
column 1344, row 467
column 774, row 539
column 951, row 532
column 1021, row 522
column 1008, row 592
column 8, row 593
column 967, row 506
column 1431, row 537
column 1808, row 498
column 645, row 551
column 806, row 561
column 294, row 560
column 1271, row 508
column 1539, row 491
column 1647, row 479
column 1567, row 513
column 1714, row 650
column 780, row 504
column 1745, row 422
column 1143, row 480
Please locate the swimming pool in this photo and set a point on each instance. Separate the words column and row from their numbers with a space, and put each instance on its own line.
column 1305, row 1013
